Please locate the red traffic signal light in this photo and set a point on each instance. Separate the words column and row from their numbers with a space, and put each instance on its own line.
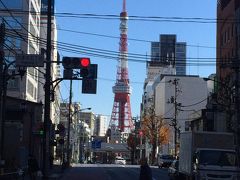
column 85, row 62
column 75, row 62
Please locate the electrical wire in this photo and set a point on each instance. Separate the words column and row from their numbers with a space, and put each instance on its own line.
column 114, row 55
column 134, row 17
column 194, row 103
column 131, row 39
column 95, row 50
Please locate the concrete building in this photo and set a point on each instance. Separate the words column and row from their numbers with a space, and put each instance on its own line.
column 191, row 94
column 22, row 30
column 26, row 33
column 89, row 118
column 22, row 133
column 228, row 53
column 100, row 125
column 227, row 35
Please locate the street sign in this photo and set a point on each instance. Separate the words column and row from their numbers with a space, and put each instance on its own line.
column 89, row 86
column 96, row 144
column 30, row 60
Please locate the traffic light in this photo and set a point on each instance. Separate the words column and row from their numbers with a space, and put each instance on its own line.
column 40, row 129
column 41, row 132
column 84, row 72
column 76, row 62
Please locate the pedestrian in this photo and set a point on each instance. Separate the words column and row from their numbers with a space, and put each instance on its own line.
column 145, row 170
column 33, row 167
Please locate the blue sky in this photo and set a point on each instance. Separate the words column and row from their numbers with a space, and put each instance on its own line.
column 197, row 34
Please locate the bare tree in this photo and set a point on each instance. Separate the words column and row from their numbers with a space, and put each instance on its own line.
column 156, row 130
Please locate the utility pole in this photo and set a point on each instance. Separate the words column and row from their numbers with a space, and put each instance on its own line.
column 175, row 82
column 47, row 102
column 2, row 36
column 174, row 120
column 237, row 106
column 69, row 123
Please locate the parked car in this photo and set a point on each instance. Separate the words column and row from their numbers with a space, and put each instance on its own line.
column 173, row 172
column 120, row 160
column 165, row 160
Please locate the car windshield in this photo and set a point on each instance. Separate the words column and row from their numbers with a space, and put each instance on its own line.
column 214, row 157
column 166, row 157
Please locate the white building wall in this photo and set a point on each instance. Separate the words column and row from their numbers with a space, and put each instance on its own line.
column 192, row 94
column 28, row 25
column 153, row 71
column 102, row 125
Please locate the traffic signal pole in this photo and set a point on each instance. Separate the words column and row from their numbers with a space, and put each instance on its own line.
column 2, row 35
column 47, row 102
column 237, row 101
column 69, row 123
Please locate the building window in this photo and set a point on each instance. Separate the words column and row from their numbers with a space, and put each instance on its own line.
column 10, row 59
column 35, row 93
column 30, row 88
column 13, row 23
column 13, row 84
column 13, row 43
column 11, row 4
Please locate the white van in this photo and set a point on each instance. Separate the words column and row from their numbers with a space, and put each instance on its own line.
column 120, row 160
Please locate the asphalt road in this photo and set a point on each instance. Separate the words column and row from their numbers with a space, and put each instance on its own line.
column 109, row 172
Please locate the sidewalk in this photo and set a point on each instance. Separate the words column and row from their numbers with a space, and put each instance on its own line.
column 56, row 172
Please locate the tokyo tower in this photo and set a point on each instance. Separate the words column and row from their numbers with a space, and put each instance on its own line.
column 121, row 117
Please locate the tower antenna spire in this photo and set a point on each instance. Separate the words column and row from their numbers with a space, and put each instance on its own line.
column 124, row 5
column 121, row 118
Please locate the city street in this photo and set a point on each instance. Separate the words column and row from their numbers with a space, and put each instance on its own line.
column 110, row 172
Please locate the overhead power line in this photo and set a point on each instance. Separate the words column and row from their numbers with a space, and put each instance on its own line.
column 110, row 52
column 176, row 19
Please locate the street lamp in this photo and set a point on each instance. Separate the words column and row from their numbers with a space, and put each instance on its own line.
column 81, row 110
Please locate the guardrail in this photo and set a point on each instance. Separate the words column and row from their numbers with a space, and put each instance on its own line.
column 19, row 174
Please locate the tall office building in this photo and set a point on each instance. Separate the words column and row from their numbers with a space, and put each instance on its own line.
column 181, row 58
column 169, row 52
column 228, row 53
column 89, row 119
column 22, row 31
column 26, row 33
column 228, row 48
column 100, row 125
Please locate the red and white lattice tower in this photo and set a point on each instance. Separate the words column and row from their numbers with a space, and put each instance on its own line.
column 121, row 117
